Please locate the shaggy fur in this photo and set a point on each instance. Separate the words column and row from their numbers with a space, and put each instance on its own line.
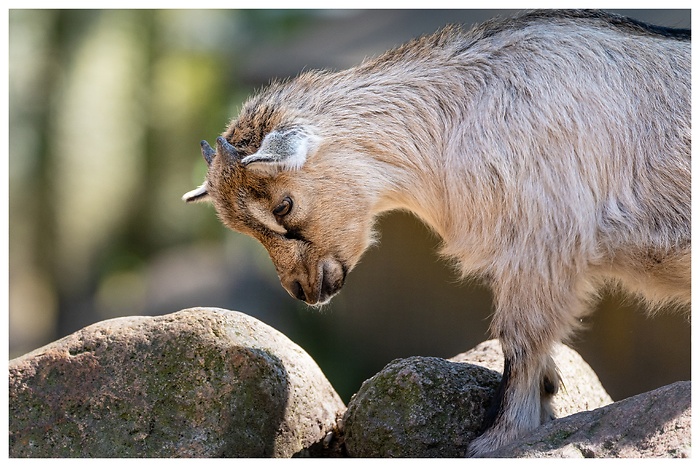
column 550, row 152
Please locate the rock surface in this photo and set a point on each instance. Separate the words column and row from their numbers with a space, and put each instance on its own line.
column 418, row 407
column 207, row 382
column 431, row 407
column 653, row 424
column 197, row 383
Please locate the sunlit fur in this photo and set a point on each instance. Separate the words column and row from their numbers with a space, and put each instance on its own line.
column 550, row 152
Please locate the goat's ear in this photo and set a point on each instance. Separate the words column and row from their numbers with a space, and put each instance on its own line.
column 198, row 194
column 282, row 150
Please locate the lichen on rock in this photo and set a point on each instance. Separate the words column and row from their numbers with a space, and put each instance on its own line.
column 419, row 407
column 207, row 382
column 197, row 383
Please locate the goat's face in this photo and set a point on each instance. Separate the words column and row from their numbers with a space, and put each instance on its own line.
column 313, row 220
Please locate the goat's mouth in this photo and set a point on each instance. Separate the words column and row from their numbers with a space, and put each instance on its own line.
column 330, row 278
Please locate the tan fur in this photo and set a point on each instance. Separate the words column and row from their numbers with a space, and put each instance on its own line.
column 550, row 152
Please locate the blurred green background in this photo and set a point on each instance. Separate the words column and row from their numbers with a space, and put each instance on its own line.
column 107, row 108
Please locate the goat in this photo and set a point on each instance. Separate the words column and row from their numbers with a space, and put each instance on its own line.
column 549, row 151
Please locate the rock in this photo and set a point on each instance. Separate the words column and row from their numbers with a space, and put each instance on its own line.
column 418, row 407
column 197, row 383
column 653, row 424
column 431, row 407
column 216, row 383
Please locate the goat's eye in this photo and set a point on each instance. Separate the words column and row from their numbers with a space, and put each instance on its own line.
column 284, row 207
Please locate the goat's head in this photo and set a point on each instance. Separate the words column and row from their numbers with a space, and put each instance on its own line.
column 284, row 185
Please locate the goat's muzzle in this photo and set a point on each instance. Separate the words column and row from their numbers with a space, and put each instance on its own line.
column 329, row 279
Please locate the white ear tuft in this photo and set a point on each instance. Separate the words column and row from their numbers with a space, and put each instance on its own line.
column 198, row 194
column 282, row 150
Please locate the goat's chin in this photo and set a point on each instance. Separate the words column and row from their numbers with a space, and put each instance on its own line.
column 322, row 301
column 320, row 304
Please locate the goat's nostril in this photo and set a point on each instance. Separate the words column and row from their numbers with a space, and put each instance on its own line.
column 298, row 291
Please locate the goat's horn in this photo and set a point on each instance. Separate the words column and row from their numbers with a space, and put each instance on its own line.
column 226, row 149
column 207, row 152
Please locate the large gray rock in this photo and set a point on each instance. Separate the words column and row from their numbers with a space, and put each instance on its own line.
column 197, row 383
column 653, row 424
column 431, row 407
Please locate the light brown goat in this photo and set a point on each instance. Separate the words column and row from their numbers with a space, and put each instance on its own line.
column 550, row 152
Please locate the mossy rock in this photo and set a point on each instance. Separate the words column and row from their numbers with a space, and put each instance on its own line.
column 419, row 407
column 197, row 383
column 431, row 407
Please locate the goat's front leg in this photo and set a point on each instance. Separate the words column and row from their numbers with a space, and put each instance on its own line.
column 522, row 402
column 531, row 316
